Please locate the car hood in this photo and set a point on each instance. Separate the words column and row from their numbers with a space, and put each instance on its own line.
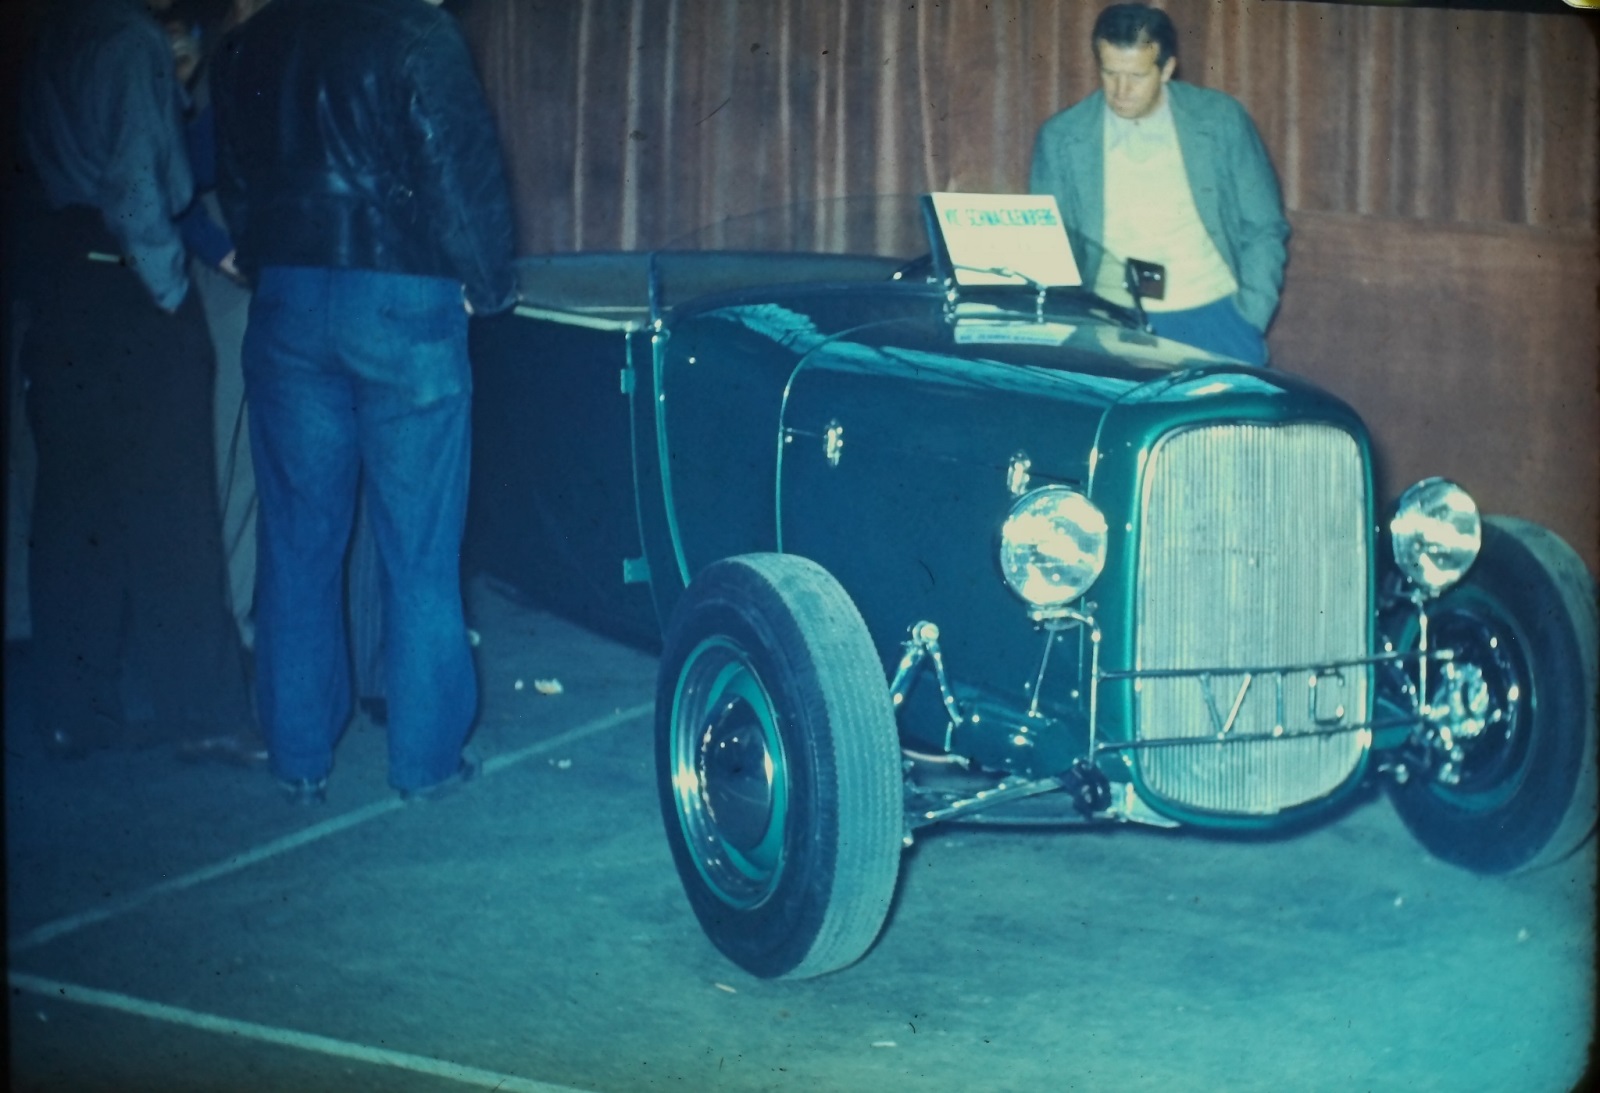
column 989, row 385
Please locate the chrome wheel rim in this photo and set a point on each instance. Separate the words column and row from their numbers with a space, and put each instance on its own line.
column 1488, row 694
column 729, row 779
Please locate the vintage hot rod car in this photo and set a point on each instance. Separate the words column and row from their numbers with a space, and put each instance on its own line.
column 922, row 547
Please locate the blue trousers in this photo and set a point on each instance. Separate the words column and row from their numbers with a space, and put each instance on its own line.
column 127, row 582
column 1217, row 328
column 352, row 371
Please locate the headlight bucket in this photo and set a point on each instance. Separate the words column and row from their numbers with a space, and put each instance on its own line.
column 1436, row 533
column 1052, row 546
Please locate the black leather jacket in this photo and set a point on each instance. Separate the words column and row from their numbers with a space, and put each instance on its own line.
column 355, row 134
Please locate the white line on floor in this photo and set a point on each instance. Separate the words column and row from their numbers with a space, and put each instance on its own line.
column 49, row 931
column 305, row 1041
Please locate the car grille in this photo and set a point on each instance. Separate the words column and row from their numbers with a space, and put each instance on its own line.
column 1253, row 554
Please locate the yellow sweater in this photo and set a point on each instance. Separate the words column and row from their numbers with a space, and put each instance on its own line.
column 1151, row 215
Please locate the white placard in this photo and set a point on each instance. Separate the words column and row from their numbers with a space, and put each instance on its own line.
column 990, row 332
column 999, row 239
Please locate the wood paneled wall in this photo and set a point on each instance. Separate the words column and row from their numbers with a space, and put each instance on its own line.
column 630, row 122
column 1441, row 168
column 1471, row 352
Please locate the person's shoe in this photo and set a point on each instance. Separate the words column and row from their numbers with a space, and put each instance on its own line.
column 469, row 769
column 304, row 791
column 239, row 749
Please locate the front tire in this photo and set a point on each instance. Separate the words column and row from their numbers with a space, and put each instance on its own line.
column 778, row 766
column 1522, row 693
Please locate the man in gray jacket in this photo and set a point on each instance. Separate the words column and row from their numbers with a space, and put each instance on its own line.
column 126, row 565
column 1152, row 168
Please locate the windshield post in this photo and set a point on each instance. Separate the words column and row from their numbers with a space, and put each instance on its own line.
column 654, row 288
column 1135, row 286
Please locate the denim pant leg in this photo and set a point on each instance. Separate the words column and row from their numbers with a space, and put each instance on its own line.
column 364, row 606
column 1217, row 328
column 407, row 342
column 303, row 440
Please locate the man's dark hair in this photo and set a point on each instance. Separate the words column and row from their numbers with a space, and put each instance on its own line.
column 1129, row 25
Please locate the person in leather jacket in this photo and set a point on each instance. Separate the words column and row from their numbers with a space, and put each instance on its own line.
column 360, row 173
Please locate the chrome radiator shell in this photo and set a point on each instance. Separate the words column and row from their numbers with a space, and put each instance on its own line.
column 1253, row 552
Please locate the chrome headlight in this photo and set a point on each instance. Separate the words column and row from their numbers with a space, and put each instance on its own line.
column 1052, row 546
column 1436, row 534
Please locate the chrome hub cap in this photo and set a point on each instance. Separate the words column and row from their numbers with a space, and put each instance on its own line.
column 728, row 774
column 1476, row 711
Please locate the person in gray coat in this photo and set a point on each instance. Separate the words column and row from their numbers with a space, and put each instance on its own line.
column 132, row 643
column 1153, row 168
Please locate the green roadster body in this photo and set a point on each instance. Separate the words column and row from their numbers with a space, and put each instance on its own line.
column 672, row 444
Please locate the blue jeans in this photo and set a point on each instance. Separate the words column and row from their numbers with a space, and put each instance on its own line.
column 1217, row 328
column 345, row 371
